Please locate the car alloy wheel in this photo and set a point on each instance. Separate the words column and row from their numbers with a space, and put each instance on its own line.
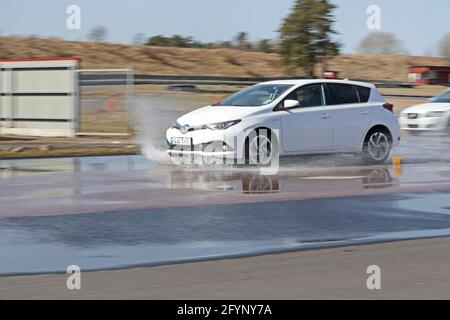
column 260, row 150
column 378, row 146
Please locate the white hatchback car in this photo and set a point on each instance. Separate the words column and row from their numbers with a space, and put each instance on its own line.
column 433, row 115
column 290, row 117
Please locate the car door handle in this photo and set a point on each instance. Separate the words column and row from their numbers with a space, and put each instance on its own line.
column 364, row 112
column 325, row 115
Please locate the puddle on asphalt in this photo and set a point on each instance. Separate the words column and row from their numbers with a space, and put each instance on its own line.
column 428, row 202
column 285, row 180
column 38, row 258
column 162, row 235
column 292, row 173
column 26, row 167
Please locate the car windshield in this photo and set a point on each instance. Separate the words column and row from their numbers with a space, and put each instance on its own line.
column 257, row 95
column 443, row 97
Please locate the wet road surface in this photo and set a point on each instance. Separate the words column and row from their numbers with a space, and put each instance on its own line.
column 108, row 212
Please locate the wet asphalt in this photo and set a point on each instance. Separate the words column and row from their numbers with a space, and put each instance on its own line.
column 113, row 212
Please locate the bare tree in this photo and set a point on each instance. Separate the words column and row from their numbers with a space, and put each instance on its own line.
column 444, row 46
column 241, row 40
column 380, row 43
column 98, row 34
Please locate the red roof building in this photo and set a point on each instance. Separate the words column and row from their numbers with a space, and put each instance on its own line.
column 429, row 74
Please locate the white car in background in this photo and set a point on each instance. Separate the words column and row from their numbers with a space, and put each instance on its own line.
column 293, row 117
column 433, row 115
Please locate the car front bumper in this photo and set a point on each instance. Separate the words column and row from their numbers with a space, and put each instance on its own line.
column 423, row 124
column 206, row 142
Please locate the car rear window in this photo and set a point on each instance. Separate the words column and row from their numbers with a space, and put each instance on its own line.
column 342, row 93
column 364, row 93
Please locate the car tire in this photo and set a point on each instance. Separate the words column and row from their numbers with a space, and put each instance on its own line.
column 259, row 148
column 377, row 146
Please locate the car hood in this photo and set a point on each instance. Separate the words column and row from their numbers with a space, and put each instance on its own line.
column 213, row 114
column 427, row 107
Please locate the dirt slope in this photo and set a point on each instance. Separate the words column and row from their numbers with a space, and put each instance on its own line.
column 187, row 61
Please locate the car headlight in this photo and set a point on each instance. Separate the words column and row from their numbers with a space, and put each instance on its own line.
column 434, row 114
column 175, row 125
column 222, row 125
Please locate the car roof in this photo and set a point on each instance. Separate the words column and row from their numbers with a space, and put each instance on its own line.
column 308, row 81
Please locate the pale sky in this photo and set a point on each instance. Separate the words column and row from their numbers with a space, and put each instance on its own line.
column 419, row 24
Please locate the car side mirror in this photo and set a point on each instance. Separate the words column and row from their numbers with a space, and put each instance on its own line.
column 290, row 104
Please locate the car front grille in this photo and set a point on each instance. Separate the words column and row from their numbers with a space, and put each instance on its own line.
column 413, row 115
column 178, row 126
column 213, row 146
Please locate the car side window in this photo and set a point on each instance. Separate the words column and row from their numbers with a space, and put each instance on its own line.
column 308, row 96
column 363, row 93
column 340, row 93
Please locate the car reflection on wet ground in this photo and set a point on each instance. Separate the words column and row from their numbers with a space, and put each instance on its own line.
column 112, row 212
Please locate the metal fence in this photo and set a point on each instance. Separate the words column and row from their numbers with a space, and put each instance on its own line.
column 106, row 108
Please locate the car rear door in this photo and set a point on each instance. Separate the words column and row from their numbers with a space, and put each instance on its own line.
column 307, row 128
column 350, row 114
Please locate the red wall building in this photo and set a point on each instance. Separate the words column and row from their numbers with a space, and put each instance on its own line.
column 429, row 74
